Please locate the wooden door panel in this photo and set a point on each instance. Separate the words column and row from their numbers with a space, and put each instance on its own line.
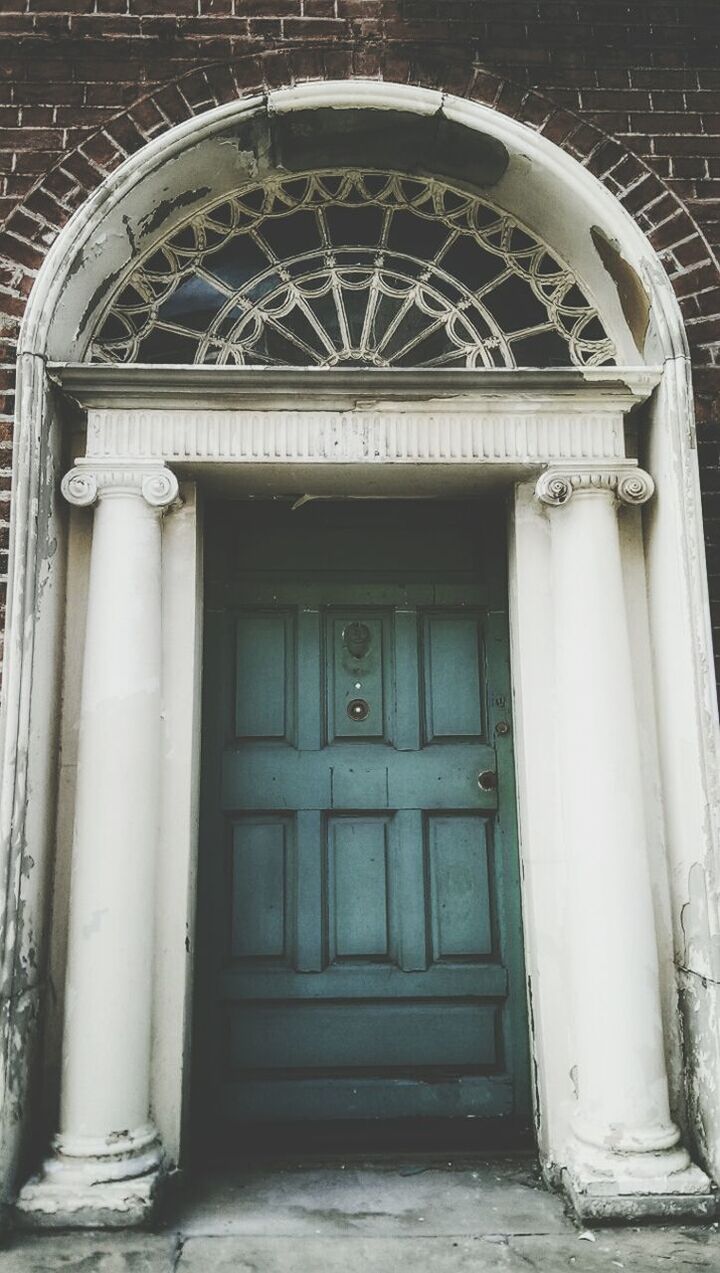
column 269, row 777
column 359, row 781
column 407, row 679
column 357, row 980
column 353, row 777
column 360, row 1096
column 441, row 778
column 357, row 892
column 258, row 890
column 337, row 1035
column 370, row 939
column 405, row 888
column 452, row 662
column 409, row 892
column 264, row 674
column 309, row 907
column 462, row 925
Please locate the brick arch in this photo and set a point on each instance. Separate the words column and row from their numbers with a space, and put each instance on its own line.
column 657, row 210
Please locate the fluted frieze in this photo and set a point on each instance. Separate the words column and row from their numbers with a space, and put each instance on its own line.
column 628, row 484
column 86, row 483
column 529, row 436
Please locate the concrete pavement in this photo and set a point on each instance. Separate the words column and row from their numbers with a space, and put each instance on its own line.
column 463, row 1215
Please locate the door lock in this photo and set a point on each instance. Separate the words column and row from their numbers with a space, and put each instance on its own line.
column 487, row 780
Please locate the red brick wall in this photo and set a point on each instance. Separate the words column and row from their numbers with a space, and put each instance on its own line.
column 633, row 90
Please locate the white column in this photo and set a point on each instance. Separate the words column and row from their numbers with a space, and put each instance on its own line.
column 108, row 1156
column 626, row 1145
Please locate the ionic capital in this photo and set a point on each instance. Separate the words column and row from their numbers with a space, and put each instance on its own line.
column 86, row 483
column 627, row 484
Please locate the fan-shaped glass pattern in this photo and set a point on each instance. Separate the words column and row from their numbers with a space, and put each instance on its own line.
column 367, row 269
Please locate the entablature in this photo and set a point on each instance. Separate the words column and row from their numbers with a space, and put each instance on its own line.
column 514, row 422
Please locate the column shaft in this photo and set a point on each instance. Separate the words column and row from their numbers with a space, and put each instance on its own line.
column 108, row 1157
column 106, row 1050
column 621, row 1076
column 625, row 1159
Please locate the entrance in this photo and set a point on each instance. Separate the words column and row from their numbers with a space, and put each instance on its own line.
column 413, row 356
column 360, row 948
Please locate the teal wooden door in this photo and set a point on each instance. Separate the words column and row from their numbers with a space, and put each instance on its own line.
column 359, row 928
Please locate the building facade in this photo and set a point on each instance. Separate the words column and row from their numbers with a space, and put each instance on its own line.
column 359, row 714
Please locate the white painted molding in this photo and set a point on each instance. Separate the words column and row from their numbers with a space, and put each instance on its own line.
column 85, row 484
column 80, row 488
column 350, row 437
column 630, row 485
column 529, row 418
column 502, row 389
column 140, row 1148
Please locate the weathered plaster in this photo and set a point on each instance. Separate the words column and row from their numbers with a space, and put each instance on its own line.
column 699, row 983
column 182, row 589
column 25, row 804
column 634, row 299
column 686, row 707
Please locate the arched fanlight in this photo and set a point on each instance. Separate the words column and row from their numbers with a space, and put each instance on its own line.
column 352, row 268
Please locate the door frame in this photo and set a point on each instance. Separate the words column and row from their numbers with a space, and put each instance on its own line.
column 472, row 429
column 497, row 712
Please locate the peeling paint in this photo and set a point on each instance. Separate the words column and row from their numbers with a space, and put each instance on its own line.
column 537, row 1117
column 130, row 233
column 106, row 284
column 701, row 952
column 160, row 213
column 634, row 300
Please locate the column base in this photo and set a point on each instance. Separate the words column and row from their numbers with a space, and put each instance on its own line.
column 114, row 1184
column 111, row 1204
column 611, row 1188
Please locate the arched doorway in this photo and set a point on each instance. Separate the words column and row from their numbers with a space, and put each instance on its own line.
column 432, row 423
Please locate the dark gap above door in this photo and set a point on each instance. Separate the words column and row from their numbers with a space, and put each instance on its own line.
column 402, row 537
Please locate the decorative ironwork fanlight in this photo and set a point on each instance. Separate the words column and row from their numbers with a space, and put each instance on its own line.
column 351, row 268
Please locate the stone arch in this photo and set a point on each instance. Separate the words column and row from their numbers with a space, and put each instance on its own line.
column 103, row 158
column 657, row 210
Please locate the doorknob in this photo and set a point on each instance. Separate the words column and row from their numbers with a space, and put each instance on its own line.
column 487, row 780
